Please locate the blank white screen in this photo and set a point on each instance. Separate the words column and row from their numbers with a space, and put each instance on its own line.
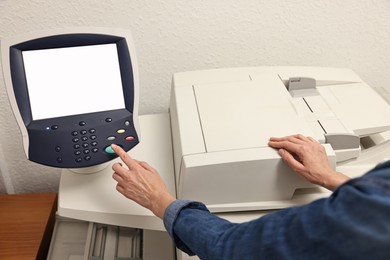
column 73, row 80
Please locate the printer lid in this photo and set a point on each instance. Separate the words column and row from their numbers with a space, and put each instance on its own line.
column 243, row 115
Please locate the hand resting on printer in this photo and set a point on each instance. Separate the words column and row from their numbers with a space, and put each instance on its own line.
column 307, row 157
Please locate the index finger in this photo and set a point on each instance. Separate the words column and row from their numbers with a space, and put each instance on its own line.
column 287, row 145
column 130, row 162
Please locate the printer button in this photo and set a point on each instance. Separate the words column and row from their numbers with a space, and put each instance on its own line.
column 109, row 150
column 129, row 138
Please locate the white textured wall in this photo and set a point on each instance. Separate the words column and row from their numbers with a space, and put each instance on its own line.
column 173, row 36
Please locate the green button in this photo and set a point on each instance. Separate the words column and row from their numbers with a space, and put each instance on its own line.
column 109, row 150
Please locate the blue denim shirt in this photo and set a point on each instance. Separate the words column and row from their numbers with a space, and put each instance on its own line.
column 353, row 223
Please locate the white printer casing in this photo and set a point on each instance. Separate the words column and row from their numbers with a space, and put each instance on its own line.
column 222, row 121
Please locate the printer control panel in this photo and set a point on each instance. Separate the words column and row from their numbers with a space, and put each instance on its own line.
column 81, row 141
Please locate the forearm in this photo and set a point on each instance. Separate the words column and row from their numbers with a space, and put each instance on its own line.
column 195, row 230
column 329, row 228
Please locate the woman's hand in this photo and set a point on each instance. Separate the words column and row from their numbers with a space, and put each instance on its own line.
column 141, row 183
column 308, row 158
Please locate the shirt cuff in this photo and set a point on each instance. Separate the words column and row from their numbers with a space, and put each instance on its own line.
column 171, row 214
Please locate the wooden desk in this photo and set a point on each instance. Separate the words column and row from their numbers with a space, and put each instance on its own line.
column 26, row 225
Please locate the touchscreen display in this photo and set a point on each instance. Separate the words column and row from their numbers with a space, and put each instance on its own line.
column 73, row 80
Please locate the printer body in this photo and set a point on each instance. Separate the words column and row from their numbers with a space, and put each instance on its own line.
column 222, row 121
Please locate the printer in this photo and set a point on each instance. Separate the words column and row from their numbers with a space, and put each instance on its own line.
column 212, row 147
column 222, row 121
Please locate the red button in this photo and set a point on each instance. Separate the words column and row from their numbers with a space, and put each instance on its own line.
column 129, row 138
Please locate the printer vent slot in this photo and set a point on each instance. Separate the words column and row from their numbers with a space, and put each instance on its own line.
column 116, row 243
column 129, row 244
column 98, row 241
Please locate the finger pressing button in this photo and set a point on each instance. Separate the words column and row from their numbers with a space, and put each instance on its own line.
column 109, row 150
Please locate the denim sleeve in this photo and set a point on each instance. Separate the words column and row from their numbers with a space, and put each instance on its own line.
column 172, row 213
column 353, row 223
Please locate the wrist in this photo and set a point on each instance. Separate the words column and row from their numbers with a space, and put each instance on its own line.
column 337, row 178
column 161, row 203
